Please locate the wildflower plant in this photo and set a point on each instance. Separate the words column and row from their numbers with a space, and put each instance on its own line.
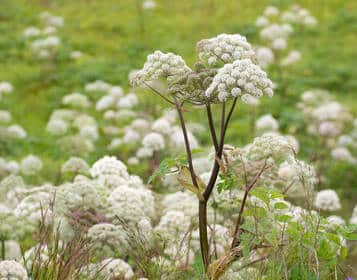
column 226, row 72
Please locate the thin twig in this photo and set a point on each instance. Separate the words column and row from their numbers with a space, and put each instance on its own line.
column 240, row 214
column 159, row 93
column 211, row 126
column 187, row 143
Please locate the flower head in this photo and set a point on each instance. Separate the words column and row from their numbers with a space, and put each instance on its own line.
column 240, row 78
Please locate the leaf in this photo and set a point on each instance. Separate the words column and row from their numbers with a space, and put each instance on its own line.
column 166, row 165
column 280, row 205
column 185, row 179
column 348, row 232
column 284, row 218
column 227, row 182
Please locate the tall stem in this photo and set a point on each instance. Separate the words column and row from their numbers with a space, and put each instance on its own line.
column 2, row 249
column 211, row 127
column 202, row 207
column 215, row 170
column 239, row 219
column 187, row 143
column 202, row 222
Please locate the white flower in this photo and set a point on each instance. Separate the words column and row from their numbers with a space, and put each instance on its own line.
column 275, row 31
column 115, row 143
column 52, row 20
column 116, row 91
column 108, row 234
column 279, row 44
column 31, row 32
column 49, row 30
column 130, row 204
column 345, row 140
column 144, row 152
column 162, row 126
column 154, row 141
column 89, row 132
column 261, row 21
column 97, row 86
column 16, row 131
column 133, row 161
column 76, row 99
column 265, row 56
column 177, row 139
column 6, row 87
column 291, row 58
column 327, row 200
column 105, row 102
column 117, row 269
column 271, row 11
column 160, row 65
column 31, row 164
column 49, row 42
column 12, row 270
column 269, row 145
column 12, row 167
column 12, row 250
column 128, row 101
column 149, row 4
column 328, row 128
column 238, row 79
column 57, row 127
column 267, row 123
column 225, row 47
column 109, row 166
column 298, row 177
column 5, row 116
column 75, row 54
column 131, row 136
column 341, row 153
column 335, row 221
column 75, row 165
column 172, row 224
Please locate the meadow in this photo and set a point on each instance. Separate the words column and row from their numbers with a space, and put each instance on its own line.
column 185, row 169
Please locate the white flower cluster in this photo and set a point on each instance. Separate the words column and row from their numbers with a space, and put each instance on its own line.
column 265, row 56
column 149, row 136
column 294, row 15
column 117, row 269
column 327, row 200
column 7, row 131
column 149, row 4
column 12, row 270
column 299, row 15
column 269, row 145
column 79, row 130
column 5, row 88
column 31, row 165
column 224, row 48
column 161, row 65
column 299, row 178
column 241, row 78
column 266, row 123
column 76, row 100
column 75, row 165
column 109, row 166
column 46, row 42
column 328, row 119
column 276, row 31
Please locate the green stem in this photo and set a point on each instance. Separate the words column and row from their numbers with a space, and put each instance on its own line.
column 2, row 249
